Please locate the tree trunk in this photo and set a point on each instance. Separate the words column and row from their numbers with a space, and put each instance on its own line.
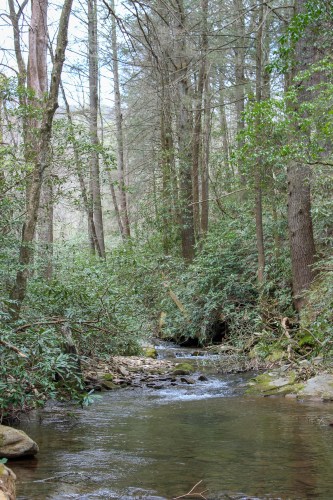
column 258, row 167
column 205, row 158
column 41, row 159
column 93, row 118
column 184, row 125
column 197, row 131
column 224, row 127
column 45, row 231
column 302, row 246
column 240, row 72
column 93, row 240
column 120, row 135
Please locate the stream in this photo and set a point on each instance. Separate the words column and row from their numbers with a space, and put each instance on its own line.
column 151, row 444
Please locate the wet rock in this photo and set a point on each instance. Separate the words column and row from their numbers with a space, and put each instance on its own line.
column 15, row 443
column 187, row 380
column 274, row 383
column 202, row 378
column 150, row 352
column 123, row 371
column 320, row 386
column 155, row 386
column 108, row 385
column 7, row 483
column 94, row 387
column 183, row 369
column 317, row 388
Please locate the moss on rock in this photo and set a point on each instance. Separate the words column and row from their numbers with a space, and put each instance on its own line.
column 183, row 369
column 269, row 384
column 150, row 352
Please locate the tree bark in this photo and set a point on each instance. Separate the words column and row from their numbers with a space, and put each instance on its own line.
column 197, row 130
column 119, row 127
column 45, row 231
column 93, row 124
column 240, row 72
column 94, row 244
column 205, row 157
column 184, row 124
column 301, row 239
column 302, row 245
column 41, row 162
column 258, row 167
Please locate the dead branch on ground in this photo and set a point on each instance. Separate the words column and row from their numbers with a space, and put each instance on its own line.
column 192, row 493
column 13, row 348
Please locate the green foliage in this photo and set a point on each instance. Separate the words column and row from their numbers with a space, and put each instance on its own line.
column 45, row 371
column 219, row 290
column 316, row 327
column 317, row 15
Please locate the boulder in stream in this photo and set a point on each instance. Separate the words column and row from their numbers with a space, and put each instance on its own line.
column 15, row 443
column 278, row 382
column 7, row 483
column 320, row 386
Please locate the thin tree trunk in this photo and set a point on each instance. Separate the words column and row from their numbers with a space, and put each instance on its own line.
column 224, row 127
column 93, row 124
column 197, row 130
column 240, row 73
column 258, row 167
column 205, row 158
column 166, row 174
column 119, row 128
column 93, row 240
column 45, row 231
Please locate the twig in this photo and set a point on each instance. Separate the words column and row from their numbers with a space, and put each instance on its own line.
column 220, row 197
column 54, row 322
column 13, row 348
column 192, row 493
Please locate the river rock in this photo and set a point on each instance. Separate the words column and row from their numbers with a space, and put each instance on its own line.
column 274, row 383
column 7, row 483
column 150, row 352
column 287, row 384
column 109, row 385
column 15, row 443
column 183, row 369
column 187, row 380
column 320, row 386
column 123, row 371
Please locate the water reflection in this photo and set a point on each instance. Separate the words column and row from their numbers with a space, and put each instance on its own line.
column 139, row 444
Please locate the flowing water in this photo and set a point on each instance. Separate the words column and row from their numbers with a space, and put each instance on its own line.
column 156, row 445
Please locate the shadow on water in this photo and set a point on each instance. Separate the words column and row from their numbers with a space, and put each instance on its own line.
column 156, row 445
